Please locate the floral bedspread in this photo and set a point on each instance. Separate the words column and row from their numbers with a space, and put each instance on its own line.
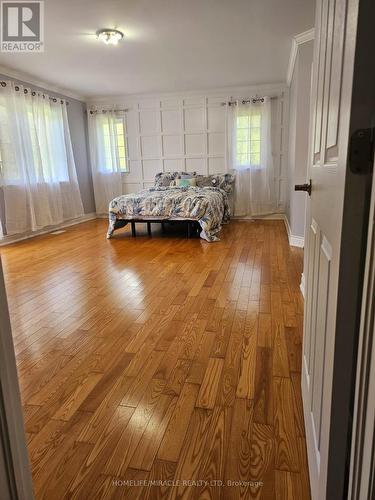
column 208, row 205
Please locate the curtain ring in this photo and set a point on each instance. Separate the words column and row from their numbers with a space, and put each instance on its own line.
column 3, row 84
column 25, row 91
column 54, row 99
column 33, row 93
column 16, row 88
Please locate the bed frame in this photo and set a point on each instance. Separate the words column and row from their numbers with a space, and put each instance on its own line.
column 192, row 225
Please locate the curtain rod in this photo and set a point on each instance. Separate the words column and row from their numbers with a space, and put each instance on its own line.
column 246, row 101
column 33, row 93
column 93, row 111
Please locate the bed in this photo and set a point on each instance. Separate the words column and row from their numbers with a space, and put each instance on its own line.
column 206, row 203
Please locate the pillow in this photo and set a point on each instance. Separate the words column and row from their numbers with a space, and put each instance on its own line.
column 222, row 181
column 225, row 182
column 204, row 181
column 164, row 179
column 186, row 182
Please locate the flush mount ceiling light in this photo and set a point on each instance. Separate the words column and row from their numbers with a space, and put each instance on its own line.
column 109, row 37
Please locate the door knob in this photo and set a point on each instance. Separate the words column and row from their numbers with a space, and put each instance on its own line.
column 303, row 187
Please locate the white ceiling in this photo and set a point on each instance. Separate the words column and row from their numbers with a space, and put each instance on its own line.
column 169, row 45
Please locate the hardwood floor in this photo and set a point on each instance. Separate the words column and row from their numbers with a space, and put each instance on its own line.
column 158, row 361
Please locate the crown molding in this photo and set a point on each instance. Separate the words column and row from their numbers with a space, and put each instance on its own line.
column 267, row 88
column 297, row 40
column 306, row 36
column 24, row 77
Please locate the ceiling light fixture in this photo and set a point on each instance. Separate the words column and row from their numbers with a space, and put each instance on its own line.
column 109, row 36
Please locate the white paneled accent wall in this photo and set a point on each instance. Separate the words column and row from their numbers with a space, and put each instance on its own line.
column 187, row 133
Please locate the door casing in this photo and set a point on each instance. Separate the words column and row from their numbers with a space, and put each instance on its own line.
column 355, row 226
column 357, row 111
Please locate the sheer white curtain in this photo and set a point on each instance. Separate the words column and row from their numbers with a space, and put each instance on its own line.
column 106, row 160
column 250, row 155
column 38, row 174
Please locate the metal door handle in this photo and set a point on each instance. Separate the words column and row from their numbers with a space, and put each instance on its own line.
column 303, row 187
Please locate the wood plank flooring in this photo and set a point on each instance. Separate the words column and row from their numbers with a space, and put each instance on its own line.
column 160, row 368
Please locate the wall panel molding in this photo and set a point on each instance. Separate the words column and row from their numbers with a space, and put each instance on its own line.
column 186, row 131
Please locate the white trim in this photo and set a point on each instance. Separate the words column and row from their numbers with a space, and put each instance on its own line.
column 304, row 37
column 168, row 147
column 297, row 40
column 294, row 241
column 292, row 62
column 302, row 285
column 312, row 457
column 275, row 216
column 8, row 240
column 24, row 77
column 361, row 480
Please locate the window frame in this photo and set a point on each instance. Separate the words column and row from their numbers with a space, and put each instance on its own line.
column 249, row 157
column 125, row 169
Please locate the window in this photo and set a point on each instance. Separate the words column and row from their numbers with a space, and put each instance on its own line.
column 248, row 139
column 119, row 144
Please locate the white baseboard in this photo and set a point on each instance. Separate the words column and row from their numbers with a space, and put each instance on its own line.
column 294, row 241
column 302, row 285
column 275, row 216
column 7, row 240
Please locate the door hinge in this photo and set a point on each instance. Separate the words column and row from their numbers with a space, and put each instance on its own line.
column 361, row 151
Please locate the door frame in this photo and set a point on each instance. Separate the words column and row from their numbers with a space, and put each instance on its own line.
column 355, row 112
column 359, row 86
column 362, row 459
column 14, row 462
column 357, row 199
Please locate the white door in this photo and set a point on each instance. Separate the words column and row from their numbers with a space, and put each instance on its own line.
column 335, row 35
